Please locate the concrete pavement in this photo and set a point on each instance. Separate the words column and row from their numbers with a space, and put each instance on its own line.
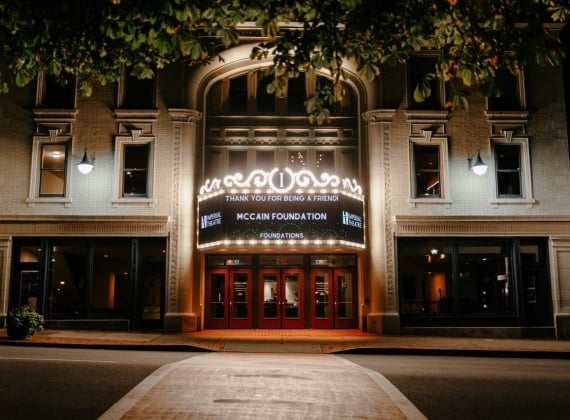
column 264, row 386
column 298, row 341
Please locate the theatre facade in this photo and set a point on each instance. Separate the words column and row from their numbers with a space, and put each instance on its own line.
column 212, row 204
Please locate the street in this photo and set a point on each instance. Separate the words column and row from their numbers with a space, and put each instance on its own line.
column 62, row 383
column 70, row 383
column 478, row 387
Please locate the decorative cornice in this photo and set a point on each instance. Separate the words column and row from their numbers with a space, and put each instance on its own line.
column 481, row 225
column 84, row 225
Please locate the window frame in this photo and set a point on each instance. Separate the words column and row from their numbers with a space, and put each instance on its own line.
column 34, row 196
column 442, row 144
column 527, row 195
column 120, row 143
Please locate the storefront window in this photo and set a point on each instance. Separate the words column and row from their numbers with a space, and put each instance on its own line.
column 459, row 277
column 426, row 277
column 484, row 282
column 111, row 276
column 118, row 281
column 67, row 277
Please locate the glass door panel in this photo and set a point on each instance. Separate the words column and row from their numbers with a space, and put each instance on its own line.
column 281, row 298
column 269, row 310
column 216, row 305
column 240, row 299
column 345, row 290
column 321, row 288
column 292, row 308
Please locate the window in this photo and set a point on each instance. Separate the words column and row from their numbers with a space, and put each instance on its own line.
column 428, row 170
column 325, row 161
column 138, row 94
column 507, row 160
column 297, row 160
column 296, row 95
column 134, row 160
column 68, row 282
column 50, row 170
column 53, row 170
column 422, row 73
column 238, row 161
column 80, row 279
column 238, row 94
column 111, row 276
column 56, row 93
column 265, row 159
column 135, row 170
column 265, row 101
column 426, row 158
column 462, row 277
column 511, row 171
column 509, row 87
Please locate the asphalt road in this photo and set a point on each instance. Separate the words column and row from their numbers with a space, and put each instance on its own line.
column 478, row 387
column 52, row 383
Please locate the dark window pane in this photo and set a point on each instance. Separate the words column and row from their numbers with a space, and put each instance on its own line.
column 507, row 84
column 484, row 282
column 135, row 172
column 139, row 94
column 111, row 276
column 419, row 67
column 238, row 94
column 296, row 95
column 427, row 171
column 508, row 170
column 67, row 277
column 425, row 271
column 265, row 101
column 152, row 273
column 59, row 93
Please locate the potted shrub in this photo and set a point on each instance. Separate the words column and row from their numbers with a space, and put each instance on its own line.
column 23, row 322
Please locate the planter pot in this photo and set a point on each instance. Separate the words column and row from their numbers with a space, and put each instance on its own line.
column 18, row 333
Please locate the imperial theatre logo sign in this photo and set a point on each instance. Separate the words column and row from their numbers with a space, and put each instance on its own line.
column 281, row 206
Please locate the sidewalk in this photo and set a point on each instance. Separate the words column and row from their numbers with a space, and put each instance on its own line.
column 297, row 341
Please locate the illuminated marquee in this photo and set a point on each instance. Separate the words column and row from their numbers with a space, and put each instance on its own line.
column 280, row 207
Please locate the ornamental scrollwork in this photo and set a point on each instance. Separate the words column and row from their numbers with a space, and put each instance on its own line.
column 281, row 181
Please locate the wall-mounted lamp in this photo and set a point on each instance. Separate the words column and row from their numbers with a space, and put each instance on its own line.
column 86, row 165
column 477, row 165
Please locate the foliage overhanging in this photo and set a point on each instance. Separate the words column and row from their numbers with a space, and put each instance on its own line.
column 94, row 39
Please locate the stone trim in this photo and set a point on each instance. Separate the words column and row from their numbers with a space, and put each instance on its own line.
column 85, row 225
column 480, row 225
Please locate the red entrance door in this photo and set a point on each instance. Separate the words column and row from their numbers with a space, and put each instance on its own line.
column 281, row 298
column 333, row 293
column 228, row 298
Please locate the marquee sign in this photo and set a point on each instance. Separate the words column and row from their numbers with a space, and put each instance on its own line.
column 280, row 206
